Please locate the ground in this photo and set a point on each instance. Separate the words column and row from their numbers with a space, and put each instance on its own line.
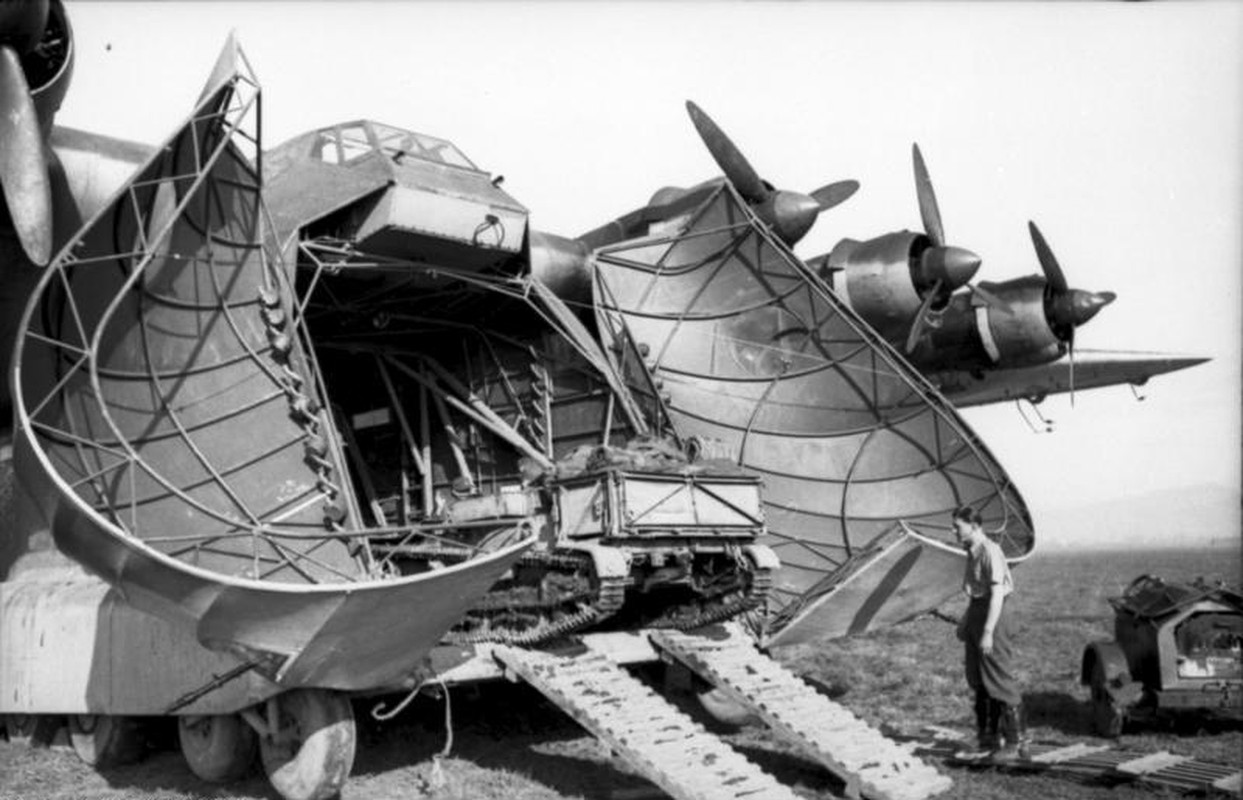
column 507, row 744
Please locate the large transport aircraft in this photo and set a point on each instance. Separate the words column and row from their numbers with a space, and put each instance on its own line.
column 331, row 418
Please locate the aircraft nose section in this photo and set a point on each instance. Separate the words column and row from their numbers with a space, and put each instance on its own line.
column 793, row 214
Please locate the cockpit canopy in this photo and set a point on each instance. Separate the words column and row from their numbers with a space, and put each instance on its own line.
column 391, row 193
column 344, row 143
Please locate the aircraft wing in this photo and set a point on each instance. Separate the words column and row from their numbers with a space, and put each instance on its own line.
column 862, row 461
column 1092, row 369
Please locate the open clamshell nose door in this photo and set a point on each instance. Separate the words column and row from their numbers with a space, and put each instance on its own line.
column 173, row 434
column 729, row 336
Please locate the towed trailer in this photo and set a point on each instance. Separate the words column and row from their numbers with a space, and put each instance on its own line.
column 1177, row 646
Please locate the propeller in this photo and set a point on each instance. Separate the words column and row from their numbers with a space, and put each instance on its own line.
column 1065, row 308
column 790, row 214
column 23, row 157
column 942, row 268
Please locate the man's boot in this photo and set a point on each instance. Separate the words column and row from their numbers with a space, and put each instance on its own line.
column 985, row 730
column 996, row 733
column 1016, row 744
column 985, row 724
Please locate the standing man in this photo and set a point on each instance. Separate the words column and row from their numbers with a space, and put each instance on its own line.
column 985, row 630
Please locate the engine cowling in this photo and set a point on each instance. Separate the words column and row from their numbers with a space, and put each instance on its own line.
column 878, row 279
column 1019, row 334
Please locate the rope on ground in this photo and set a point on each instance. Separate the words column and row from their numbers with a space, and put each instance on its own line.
column 438, row 775
column 941, row 615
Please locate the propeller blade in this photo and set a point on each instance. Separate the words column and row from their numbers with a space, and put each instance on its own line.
column 921, row 318
column 23, row 161
column 928, row 210
column 728, row 157
column 1071, row 346
column 834, row 193
column 1048, row 263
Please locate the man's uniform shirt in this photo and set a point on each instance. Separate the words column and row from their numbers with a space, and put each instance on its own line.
column 987, row 571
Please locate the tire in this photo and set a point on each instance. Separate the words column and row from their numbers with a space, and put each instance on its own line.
column 725, row 710
column 310, row 753
column 20, row 728
column 218, row 748
column 105, row 740
column 1108, row 718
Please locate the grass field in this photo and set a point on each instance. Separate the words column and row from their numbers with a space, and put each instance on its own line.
column 509, row 745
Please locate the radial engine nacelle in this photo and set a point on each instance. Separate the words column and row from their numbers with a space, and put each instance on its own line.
column 1019, row 333
column 886, row 279
column 876, row 277
column 1027, row 323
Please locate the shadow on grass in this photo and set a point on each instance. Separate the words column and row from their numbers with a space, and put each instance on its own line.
column 163, row 773
column 568, row 775
column 162, row 770
column 790, row 769
column 502, row 727
column 1058, row 710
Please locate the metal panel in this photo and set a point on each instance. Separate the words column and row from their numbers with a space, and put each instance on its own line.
column 73, row 646
column 653, row 501
column 753, row 351
column 458, row 219
column 583, row 508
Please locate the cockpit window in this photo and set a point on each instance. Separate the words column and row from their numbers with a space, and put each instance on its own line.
column 348, row 142
column 343, row 145
column 354, row 142
column 326, row 148
column 398, row 145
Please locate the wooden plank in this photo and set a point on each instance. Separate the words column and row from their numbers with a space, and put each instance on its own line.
column 1230, row 783
column 1067, row 753
column 1150, row 763
column 664, row 745
column 858, row 754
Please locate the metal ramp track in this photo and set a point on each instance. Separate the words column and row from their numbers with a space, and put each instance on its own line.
column 663, row 744
column 870, row 764
column 1096, row 764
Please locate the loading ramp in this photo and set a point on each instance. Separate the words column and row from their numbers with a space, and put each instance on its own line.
column 689, row 762
column 871, row 765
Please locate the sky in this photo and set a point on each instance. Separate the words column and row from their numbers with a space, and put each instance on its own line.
column 1115, row 126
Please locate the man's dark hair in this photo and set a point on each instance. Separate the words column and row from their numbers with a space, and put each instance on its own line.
column 969, row 515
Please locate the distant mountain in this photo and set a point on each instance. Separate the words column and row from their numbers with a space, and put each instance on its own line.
column 1196, row 516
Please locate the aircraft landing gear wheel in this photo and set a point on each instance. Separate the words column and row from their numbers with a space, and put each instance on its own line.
column 308, row 749
column 104, row 740
column 218, row 747
column 1107, row 717
column 20, row 728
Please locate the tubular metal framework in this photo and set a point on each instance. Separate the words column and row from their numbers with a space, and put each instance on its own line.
column 750, row 350
column 172, row 422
